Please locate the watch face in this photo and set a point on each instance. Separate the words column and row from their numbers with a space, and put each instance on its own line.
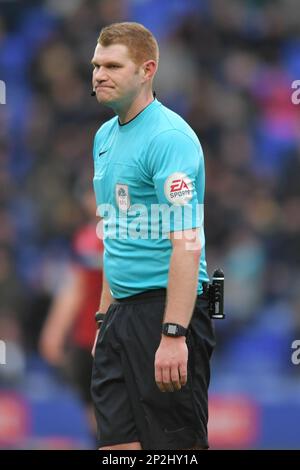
column 172, row 329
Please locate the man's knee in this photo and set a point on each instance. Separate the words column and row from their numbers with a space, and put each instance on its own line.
column 127, row 446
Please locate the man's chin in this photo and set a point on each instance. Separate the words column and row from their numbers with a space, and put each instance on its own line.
column 105, row 101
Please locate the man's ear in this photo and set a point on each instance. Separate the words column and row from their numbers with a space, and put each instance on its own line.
column 149, row 68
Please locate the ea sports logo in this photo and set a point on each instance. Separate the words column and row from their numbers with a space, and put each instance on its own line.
column 178, row 188
column 178, row 185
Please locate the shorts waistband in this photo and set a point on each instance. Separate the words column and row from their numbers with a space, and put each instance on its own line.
column 154, row 293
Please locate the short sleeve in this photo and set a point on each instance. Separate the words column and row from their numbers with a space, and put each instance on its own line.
column 175, row 163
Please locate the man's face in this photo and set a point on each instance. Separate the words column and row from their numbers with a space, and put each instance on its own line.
column 116, row 78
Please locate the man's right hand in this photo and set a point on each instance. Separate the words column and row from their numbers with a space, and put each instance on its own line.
column 95, row 342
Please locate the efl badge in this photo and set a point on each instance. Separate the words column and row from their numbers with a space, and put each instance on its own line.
column 178, row 188
column 122, row 197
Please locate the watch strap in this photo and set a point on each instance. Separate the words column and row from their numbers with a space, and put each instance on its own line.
column 173, row 329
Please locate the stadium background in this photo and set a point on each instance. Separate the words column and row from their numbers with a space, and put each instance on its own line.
column 227, row 67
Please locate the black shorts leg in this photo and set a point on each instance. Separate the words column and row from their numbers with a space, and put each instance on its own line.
column 113, row 412
column 128, row 401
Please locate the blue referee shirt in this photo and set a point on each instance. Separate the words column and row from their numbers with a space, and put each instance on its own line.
column 149, row 180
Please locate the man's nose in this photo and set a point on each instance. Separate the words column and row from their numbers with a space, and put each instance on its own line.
column 101, row 75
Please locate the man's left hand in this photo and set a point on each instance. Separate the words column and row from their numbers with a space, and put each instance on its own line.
column 171, row 363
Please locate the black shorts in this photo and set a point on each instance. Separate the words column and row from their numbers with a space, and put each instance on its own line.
column 128, row 404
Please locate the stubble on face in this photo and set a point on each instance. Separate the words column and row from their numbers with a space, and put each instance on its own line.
column 118, row 79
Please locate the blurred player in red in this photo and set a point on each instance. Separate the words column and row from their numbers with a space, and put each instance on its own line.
column 69, row 331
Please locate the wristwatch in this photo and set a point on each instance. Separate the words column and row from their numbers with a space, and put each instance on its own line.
column 173, row 329
column 99, row 317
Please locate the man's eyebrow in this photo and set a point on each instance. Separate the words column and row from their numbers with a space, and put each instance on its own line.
column 109, row 62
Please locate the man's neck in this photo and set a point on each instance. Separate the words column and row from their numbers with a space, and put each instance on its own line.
column 129, row 111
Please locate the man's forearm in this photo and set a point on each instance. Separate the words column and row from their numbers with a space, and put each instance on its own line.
column 182, row 286
column 106, row 297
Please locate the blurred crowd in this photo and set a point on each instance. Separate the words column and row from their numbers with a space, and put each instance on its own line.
column 227, row 68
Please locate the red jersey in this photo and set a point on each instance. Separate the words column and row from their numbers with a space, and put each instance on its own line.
column 88, row 251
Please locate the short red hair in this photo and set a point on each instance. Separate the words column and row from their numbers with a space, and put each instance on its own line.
column 141, row 43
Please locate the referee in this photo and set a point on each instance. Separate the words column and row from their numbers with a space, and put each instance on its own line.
column 151, row 355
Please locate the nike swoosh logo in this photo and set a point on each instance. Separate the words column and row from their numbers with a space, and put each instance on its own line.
column 101, row 153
